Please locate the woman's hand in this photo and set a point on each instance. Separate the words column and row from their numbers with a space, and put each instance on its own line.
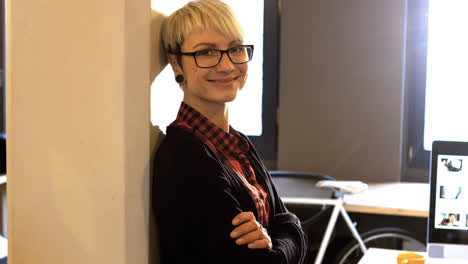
column 249, row 231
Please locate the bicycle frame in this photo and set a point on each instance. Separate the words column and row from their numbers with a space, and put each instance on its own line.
column 337, row 208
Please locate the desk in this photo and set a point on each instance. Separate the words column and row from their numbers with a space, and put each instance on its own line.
column 396, row 198
column 387, row 256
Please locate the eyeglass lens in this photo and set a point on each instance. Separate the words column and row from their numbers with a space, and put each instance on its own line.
column 211, row 58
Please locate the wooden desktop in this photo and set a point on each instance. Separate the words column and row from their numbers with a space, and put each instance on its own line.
column 397, row 198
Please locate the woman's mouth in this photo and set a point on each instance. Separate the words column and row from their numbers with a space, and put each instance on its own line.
column 224, row 81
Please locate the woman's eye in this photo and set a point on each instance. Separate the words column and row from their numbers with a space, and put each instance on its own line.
column 205, row 53
column 237, row 49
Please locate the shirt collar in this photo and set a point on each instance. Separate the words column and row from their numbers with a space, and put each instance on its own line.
column 227, row 143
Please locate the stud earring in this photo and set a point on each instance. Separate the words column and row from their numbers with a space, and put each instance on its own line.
column 179, row 78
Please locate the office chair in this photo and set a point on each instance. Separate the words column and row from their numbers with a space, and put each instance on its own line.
column 302, row 184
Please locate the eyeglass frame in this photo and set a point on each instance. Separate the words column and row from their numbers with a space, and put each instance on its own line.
column 194, row 55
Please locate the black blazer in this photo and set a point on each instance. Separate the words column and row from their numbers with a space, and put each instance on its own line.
column 195, row 197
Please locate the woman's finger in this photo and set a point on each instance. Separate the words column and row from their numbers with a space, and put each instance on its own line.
column 251, row 237
column 245, row 228
column 263, row 243
column 242, row 218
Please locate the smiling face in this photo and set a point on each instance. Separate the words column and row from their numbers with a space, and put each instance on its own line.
column 205, row 86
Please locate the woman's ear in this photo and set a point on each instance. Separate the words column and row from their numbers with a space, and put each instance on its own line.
column 172, row 59
column 176, row 68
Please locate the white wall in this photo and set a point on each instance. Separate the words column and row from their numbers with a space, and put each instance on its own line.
column 341, row 88
column 78, row 131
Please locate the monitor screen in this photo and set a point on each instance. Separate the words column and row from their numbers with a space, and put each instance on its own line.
column 451, row 210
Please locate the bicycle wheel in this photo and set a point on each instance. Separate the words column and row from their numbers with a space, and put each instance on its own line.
column 387, row 237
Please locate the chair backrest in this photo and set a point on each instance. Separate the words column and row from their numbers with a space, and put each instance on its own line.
column 314, row 218
column 302, row 184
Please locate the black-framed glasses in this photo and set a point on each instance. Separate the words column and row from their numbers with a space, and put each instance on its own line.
column 209, row 58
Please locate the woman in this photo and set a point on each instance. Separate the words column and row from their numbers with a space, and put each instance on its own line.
column 213, row 198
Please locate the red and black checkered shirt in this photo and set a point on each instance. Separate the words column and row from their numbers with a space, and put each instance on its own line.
column 232, row 148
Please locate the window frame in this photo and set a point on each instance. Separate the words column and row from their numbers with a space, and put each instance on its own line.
column 415, row 163
column 267, row 143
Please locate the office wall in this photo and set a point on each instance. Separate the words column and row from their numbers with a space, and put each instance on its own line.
column 341, row 88
column 78, row 131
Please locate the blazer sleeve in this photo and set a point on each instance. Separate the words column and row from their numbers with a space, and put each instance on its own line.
column 209, row 211
column 286, row 230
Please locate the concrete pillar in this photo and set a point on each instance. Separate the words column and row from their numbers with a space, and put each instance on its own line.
column 78, row 131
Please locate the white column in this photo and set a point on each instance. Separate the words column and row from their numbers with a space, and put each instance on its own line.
column 78, row 131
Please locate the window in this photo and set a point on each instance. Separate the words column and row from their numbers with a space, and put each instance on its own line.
column 254, row 111
column 447, row 71
column 436, row 80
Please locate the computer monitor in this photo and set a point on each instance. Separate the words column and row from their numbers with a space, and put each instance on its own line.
column 448, row 211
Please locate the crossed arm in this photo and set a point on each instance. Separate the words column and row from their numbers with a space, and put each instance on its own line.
column 238, row 235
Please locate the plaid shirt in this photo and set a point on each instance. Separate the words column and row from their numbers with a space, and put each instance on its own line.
column 232, row 148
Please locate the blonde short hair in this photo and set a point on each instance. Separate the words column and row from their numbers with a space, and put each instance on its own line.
column 197, row 16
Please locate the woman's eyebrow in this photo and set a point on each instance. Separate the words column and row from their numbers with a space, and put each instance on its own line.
column 236, row 42
column 213, row 45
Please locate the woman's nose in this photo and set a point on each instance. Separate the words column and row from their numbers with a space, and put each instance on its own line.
column 225, row 64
